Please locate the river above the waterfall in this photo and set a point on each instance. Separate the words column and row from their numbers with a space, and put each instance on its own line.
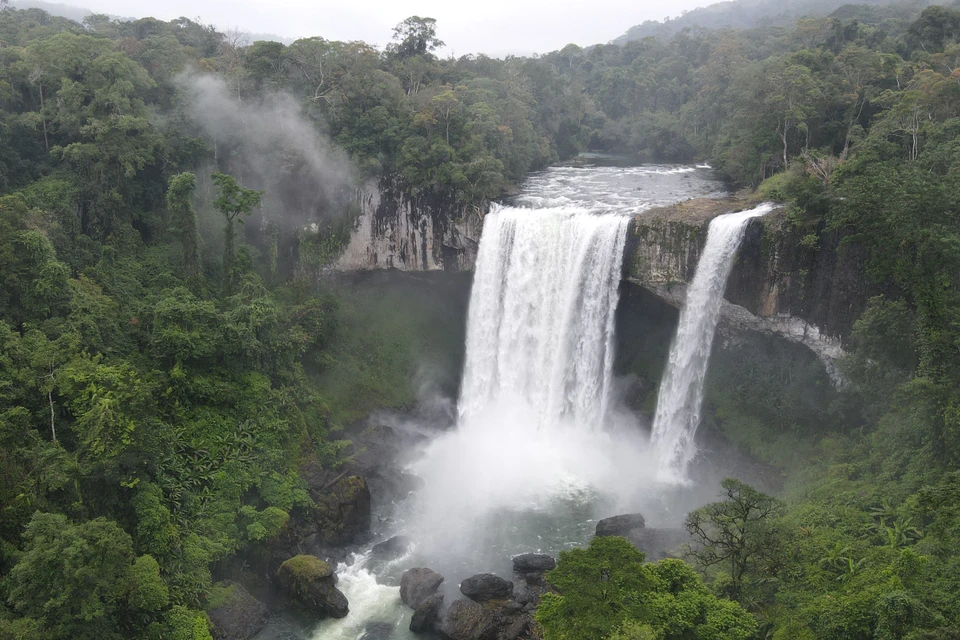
column 604, row 184
column 547, row 448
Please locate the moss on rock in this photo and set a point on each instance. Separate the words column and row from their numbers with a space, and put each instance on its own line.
column 299, row 572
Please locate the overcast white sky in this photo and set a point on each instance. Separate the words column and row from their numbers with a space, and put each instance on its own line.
column 494, row 27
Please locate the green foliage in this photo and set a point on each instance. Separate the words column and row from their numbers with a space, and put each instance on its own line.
column 76, row 580
column 232, row 201
column 738, row 534
column 179, row 191
column 155, row 403
column 607, row 591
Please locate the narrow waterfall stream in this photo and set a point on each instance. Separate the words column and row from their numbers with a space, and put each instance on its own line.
column 681, row 389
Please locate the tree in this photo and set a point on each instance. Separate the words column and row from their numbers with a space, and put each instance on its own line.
column 232, row 201
column 77, row 578
column 791, row 93
column 608, row 590
column 738, row 532
column 179, row 191
column 415, row 36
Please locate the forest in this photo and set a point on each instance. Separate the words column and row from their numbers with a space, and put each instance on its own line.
column 173, row 346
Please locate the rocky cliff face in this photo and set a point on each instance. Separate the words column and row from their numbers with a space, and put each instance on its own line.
column 781, row 283
column 421, row 233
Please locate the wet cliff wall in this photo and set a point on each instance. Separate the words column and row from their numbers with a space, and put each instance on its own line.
column 425, row 232
column 807, row 287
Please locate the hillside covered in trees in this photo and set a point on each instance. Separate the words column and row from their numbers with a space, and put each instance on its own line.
column 172, row 356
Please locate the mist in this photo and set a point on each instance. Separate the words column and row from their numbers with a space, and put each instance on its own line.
column 268, row 143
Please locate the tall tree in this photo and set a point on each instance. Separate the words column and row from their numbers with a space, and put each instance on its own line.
column 232, row 201
column 179, row 191
column 415, row 36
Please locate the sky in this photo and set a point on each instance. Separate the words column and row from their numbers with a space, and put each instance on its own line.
column 493, row 27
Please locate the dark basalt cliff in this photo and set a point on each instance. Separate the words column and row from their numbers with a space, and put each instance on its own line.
column 782, row 281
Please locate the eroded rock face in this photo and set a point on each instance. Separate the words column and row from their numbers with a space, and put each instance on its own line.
column 235, row 614
column 425, row 616
column 342, row 511
column 469, row 620
column 781, row 283
column 311, row 583
column 411, row 233
column 416, row 585
column 486, row 586
column 622, row 525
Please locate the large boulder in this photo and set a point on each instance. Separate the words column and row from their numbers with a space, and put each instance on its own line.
column 391, row 548
column 416, row 585
column 426, row 614
column 342, row 512
column 469, row 620
column 622, row 525
column 234, row 613
column 486, row 586
column 533, row 562
column 311, row 583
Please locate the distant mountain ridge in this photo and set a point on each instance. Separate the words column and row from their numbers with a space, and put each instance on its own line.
column 744, row 14
column 77, row 14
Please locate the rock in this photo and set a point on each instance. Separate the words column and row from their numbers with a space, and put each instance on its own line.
column 516, row 628
column 416, row 585
column 392, row 548
column 468, row 620
column 486, row 586
column 426, row 614
column 621, row 525
column 311, row 583
column 658, row 543
column 533, row 562
column 342, row 511
column 234, row 613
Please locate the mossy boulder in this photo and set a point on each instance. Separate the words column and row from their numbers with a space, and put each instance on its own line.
column 342, row 511
column 311, row 583
column 234, row 613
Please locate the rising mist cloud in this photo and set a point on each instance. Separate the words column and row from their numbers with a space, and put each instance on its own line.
column 268, row 143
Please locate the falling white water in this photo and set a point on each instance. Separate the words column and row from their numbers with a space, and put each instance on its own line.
column 541, row 321
column 681, row 390
column 527, row 469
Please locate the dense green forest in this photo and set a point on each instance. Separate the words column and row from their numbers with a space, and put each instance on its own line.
column 165, row 369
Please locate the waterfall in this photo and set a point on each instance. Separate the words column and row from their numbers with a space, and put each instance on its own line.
column 540, row 326
column 681, row 390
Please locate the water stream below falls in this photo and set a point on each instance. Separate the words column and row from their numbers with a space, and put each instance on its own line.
column 543, row 446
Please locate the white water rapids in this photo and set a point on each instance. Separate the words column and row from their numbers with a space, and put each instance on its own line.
column 681, row 390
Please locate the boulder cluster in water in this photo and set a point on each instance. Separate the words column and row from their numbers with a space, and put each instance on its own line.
column 492, row 607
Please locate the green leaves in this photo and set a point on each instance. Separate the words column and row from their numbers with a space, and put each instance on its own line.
column 75, row 578
column 607, row 591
